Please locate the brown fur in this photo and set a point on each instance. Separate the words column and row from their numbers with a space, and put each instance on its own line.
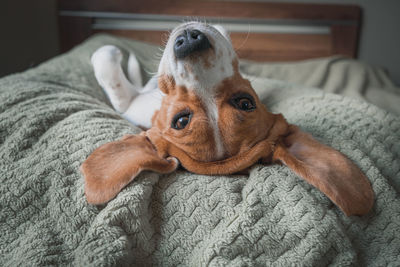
column 326, row 169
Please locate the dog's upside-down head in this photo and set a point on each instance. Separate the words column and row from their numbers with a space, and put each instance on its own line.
column 211, row 121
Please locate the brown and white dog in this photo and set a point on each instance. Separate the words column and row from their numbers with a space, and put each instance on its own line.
column 200, row 112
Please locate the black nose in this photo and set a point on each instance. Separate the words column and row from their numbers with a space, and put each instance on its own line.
column 190, row 41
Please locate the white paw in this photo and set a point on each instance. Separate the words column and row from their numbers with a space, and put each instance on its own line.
column 106, row 63
column 134, row 73
column 107, row 53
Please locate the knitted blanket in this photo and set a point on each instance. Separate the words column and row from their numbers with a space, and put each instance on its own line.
column 53, row 116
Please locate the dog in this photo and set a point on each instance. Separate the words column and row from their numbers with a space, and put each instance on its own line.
column 200, row 113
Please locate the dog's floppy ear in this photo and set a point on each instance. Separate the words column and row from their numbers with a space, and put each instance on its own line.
column 114, row 165
column 328, row 170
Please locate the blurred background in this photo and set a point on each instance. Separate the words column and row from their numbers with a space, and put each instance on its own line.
column 30, row 33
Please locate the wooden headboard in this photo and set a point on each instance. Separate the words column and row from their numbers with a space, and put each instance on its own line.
column 259, row 31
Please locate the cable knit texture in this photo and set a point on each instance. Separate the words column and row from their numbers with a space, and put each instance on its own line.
column 53, row 116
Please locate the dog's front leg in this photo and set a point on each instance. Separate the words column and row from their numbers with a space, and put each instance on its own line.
column 106, row 62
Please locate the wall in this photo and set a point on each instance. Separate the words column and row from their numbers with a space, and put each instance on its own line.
column 29, row 34
column 380, row 34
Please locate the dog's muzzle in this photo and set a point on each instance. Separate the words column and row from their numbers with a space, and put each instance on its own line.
column 190, row 41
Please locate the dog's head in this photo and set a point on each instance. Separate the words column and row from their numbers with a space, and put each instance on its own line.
column 209, row 108
column 212, row 122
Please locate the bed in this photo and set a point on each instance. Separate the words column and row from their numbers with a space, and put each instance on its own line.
column 53, row 116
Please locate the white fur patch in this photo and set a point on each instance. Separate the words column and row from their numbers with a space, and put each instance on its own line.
column 212, row 113
column 143, row 107
column 134, row 73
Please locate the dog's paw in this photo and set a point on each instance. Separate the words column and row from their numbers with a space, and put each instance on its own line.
column 134, row 73
column 108, row 71
column 106, row 54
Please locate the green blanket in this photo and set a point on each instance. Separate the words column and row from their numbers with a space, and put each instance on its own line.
column 53, row 116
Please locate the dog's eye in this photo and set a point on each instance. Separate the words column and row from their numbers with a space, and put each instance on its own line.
column 245, row 104
column 243, row 101
column 181, row 119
